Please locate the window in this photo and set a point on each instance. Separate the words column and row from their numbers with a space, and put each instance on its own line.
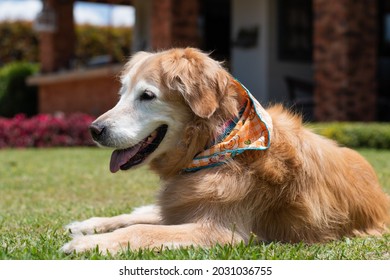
column 295, row 30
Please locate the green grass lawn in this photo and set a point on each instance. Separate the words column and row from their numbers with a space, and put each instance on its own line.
column 43, row 190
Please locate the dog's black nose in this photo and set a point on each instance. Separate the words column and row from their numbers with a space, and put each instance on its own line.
column 96, row 130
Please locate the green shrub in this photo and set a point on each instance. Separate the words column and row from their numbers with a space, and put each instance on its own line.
column 15, row 95
column 356, row 135
column 19, row 42
column 102, row 40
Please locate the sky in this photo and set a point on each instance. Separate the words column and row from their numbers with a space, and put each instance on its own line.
column 97, row 14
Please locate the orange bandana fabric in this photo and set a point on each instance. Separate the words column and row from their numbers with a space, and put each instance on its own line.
column 251, row 130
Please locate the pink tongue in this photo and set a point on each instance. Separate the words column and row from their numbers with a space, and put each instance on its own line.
column 120, row 157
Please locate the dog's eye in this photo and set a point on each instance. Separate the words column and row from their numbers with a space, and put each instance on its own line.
column 147, row 95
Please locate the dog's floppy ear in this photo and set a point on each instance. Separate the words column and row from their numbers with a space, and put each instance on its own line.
column 200, row 79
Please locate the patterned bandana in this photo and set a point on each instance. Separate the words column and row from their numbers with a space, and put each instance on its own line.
column 251, row 130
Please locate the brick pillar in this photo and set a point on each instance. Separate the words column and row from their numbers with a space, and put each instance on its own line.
column 57, row 48
column 175, row 24
column 161, row 24
column 345, row 57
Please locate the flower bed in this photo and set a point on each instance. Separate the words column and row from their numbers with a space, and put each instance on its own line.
column 45, row 131
column 64, row 131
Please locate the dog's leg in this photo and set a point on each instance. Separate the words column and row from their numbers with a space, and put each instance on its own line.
column 144, row 215
column 154, row 237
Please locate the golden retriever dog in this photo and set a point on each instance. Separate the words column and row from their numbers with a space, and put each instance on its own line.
column 230, row 170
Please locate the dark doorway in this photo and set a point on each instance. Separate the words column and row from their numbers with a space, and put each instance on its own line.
column 383, row 108
column 215, row 20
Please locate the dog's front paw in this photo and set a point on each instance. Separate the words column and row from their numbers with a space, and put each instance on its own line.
column 104, row 243
column 74, row 246
column 90, row 226
column 81, row 244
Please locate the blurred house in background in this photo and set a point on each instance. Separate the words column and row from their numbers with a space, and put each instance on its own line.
column 330, row 59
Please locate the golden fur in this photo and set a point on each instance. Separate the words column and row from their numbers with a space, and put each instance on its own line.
column 303, row 188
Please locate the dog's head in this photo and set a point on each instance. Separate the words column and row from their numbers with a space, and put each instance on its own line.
column 161, row 94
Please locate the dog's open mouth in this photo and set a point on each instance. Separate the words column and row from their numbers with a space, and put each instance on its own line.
column 127, row 158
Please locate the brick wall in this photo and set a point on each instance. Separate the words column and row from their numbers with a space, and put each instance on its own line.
column 91, row 91
column 93, row 96
column 185, row 23
column 174, row 24
column 161, row 24
column 345, row 44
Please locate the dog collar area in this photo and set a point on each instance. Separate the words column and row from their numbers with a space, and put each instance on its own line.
column 250, row 130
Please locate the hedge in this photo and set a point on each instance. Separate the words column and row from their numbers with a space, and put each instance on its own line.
column 45, row 131
column 19, row 42
column 356, row 135
column 15, row 95
column 93, row 41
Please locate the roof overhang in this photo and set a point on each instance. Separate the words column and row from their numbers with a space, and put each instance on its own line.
column 114, row 2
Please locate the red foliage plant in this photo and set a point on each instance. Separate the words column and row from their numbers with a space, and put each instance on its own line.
column 45, row 131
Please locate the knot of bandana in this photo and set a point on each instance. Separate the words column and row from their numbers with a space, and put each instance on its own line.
column 251, row 130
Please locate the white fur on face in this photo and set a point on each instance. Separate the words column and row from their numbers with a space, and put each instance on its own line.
column 134, row 119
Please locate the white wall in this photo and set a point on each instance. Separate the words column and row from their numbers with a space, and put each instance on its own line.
column 249, row 65
column 259, row 68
